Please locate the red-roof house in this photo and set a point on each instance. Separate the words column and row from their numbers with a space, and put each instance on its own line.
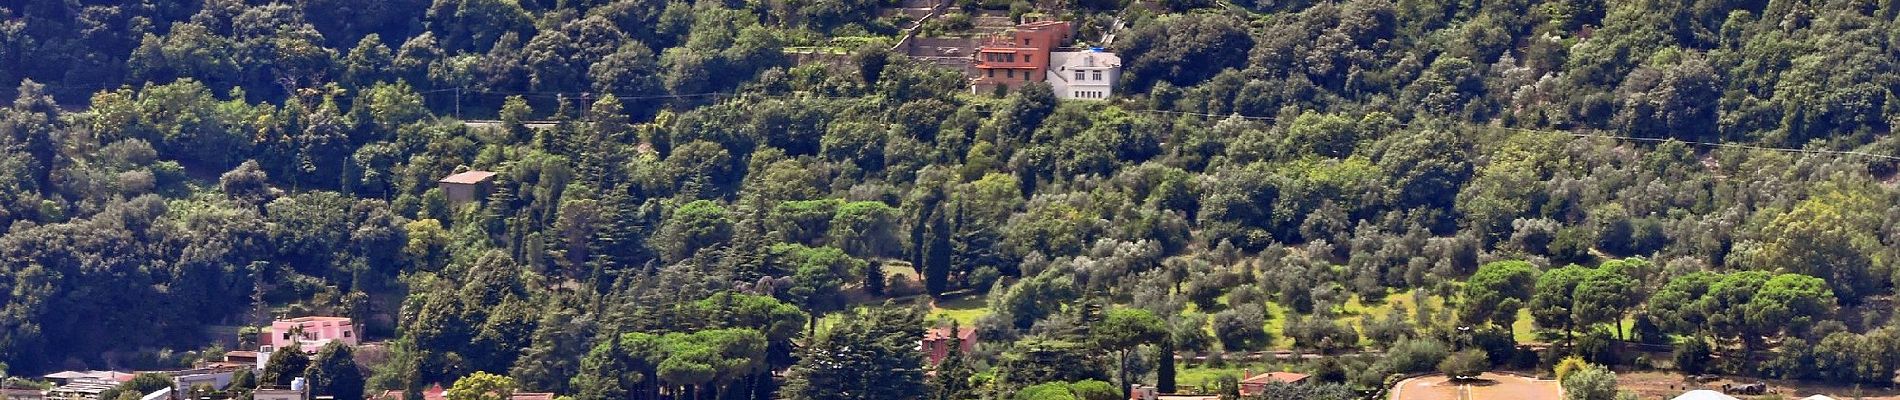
column 937, row 342
column 1256, row 384
column 467, row 186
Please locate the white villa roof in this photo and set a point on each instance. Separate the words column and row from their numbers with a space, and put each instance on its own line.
column 1704, row 395
column 83, row 374
column 159, row 394
column 1063, row 60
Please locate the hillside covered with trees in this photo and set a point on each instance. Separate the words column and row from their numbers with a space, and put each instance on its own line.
column 702, row 217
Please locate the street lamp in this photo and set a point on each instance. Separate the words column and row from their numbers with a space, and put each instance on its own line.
column 1464, row 337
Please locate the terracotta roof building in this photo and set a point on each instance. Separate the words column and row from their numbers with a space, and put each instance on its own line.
column 1256, row 384
column 937, row 342
column 467, row 186
column 13, row 393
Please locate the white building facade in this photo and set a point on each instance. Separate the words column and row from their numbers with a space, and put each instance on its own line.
column 1084, row 75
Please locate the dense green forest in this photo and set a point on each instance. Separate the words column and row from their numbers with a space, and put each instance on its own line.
column 705, row 218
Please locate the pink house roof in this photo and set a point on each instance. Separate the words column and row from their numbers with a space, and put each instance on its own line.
column 434, row 392
column 943, row 333
column 1288, row 377
column 318, row 319
column 469, row 178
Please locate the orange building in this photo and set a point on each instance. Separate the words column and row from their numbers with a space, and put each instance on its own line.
column 1019, row 57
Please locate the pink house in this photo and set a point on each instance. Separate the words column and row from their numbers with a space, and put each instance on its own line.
column 937, row 342
column 310, row 333
column 1255, row 384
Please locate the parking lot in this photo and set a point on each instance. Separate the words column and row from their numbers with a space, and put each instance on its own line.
column 1487, row 386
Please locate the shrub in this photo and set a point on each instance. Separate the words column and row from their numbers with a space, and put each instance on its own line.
column 1416, row 355
column 1568, row 365
column 1242, row 328
column 1094, row 390
column 898, row 285
column 1046, row 391
column 1468, row 363
column 1692, row 356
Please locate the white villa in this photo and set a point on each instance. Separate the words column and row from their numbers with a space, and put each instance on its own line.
column 1083, row 75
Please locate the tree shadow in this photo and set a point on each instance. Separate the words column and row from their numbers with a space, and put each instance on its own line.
column 1479, row 382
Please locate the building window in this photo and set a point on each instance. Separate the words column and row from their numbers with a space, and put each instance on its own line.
column 346, row 333
column 1029, row 58
column 1078, row 75
column 286, row 335
column 991, row 72
column 1098, row 74
column 1009, row 73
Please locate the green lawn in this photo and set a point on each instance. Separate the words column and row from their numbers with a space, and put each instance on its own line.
column 1352, row 313
column 968, row 307
column 964, row 309
column 1191, row 374
column 1523, row 330
column 902, row 270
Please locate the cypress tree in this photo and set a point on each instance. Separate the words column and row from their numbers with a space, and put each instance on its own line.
column 936, row 257
column 874, row 277
column 1164, row 366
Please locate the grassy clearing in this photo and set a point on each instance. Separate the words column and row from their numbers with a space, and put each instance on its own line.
column 1352, row 313
column 1191, row 374
column 1523, row 330
column 964, row 309
column 902, row 270
column 1357, row 311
